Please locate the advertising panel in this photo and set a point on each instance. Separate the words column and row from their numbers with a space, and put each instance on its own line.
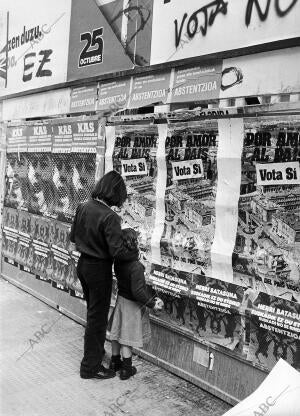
column 131, row 22
column 33, row 50
column 94, row 48
column 200, row 27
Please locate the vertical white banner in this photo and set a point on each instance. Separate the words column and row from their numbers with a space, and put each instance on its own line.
column 160, row 194
column 110, row 135
column 228, row 191
column 2, row 174
column 100, row 152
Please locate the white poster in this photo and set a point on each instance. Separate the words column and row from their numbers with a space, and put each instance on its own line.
column 278, row 395
column 200, row 27
column 34, row 45
column 44, row 104
column 244, row 76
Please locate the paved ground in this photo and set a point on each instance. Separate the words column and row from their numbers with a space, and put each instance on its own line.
column 40, row 354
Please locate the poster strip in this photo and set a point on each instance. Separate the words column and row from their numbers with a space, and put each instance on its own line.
column 228, row 191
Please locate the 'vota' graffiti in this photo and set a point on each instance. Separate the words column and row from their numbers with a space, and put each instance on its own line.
column 193, row 25
column 263, row 14
column 209, row 12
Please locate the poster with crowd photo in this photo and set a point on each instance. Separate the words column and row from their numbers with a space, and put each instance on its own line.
column 72, row 281
column 74, row 164
column 17, row 185
column 266, row 255
column 10, row 234
column 274, row 331
column 208, row 308
column 132, row 151
column 23, row 255
column 189, row 211
column 39, row 147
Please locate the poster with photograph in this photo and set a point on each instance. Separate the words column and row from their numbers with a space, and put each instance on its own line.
column 191, row 183
column 208, row 308
column 74, row 164
column 275, row 331
column 10, row 235
column 60, row 239
column 25, row 239
column 61, row 262
column 41, row 198
column 72, row 281
column 266, row 255
column 17, row 184
column 133, row 153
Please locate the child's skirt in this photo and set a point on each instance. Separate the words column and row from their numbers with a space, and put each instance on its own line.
column 129, row 324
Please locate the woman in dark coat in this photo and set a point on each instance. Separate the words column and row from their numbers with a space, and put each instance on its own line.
column 96, row 232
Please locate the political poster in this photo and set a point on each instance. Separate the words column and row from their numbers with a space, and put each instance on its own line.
column 191, row 183
column 196, row 83
column 72, row 281
column 266, row 252
column 184, row 30
column 132, row 152
column 83, row 99
column 51, row 168
column 207, row 308
column 274, row 331
column 113, row 95
column 25, row 239
column 150, row 89
column 34, row 46
column 17, row 183
column 10, row 234
column 94, row 48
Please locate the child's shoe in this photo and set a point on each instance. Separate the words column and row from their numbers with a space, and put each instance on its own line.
column 127, row 370
column 115, row 363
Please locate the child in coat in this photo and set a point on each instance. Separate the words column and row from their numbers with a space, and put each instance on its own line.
column 130, row 325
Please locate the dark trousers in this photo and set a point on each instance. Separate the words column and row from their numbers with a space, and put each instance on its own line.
column 95, row 276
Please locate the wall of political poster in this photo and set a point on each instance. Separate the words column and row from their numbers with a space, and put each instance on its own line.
column 222, row 239
column 215, row 202
column 51, row 168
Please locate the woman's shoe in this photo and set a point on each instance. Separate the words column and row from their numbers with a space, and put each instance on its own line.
column 103, row 374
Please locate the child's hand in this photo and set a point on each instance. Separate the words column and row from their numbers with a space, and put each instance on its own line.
column 159, row 304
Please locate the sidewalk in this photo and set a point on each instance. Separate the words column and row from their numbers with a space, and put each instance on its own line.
column 40, row 354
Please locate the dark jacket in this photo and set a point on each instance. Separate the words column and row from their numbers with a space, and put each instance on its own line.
column 131, row 282
column 97, row 233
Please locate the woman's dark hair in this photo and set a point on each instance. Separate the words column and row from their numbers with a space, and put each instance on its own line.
column 111, row 189
column 129, row 237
